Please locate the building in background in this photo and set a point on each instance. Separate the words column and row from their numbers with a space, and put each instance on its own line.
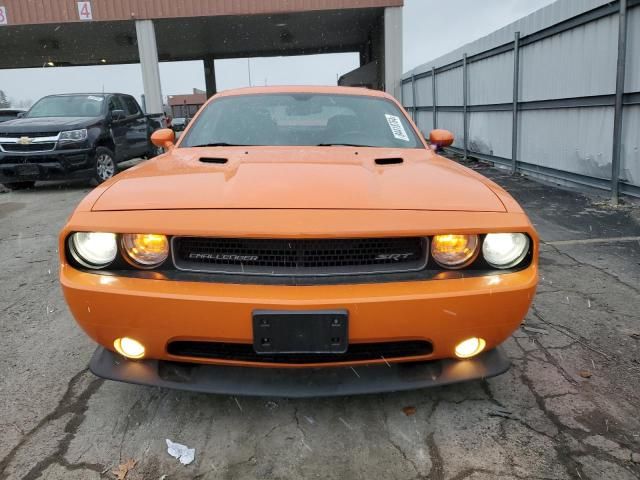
column 186, row 106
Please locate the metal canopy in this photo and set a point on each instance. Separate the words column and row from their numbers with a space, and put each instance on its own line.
column 114, row 42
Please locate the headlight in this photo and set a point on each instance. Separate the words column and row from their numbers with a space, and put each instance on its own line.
column 146, row 249
column 505, row 250
column 73, row 136
column 454, row 251
column 94, row 249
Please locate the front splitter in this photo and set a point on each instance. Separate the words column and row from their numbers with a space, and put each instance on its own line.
column 296, row 382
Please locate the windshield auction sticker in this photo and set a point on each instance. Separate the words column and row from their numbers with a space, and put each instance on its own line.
column 396, row 127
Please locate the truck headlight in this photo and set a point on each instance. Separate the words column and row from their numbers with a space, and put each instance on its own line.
column 73, row 136
column 93, row 249
column 505, row 250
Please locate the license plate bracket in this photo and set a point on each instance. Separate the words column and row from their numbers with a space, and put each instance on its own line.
column 300, row 332
column 27, row 170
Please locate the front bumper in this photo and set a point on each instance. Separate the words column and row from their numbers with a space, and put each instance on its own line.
column 296, row 383
column 157, row 312
column 55, row 165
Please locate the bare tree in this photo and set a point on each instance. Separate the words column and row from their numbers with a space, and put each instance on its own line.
column 4, row 101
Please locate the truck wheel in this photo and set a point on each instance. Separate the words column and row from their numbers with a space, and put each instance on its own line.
column 105, row 165
column 19, row 185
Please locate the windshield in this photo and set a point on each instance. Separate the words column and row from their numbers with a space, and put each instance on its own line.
column 302, row 120
column 68, row 106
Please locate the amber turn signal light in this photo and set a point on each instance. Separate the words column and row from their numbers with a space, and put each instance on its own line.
column 146, row 250
column 454, row 251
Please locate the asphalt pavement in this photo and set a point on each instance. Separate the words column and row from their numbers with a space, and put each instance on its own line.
column 568, row 408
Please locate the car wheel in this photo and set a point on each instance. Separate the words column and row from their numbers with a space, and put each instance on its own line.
column 105, row 166
column 19, row 185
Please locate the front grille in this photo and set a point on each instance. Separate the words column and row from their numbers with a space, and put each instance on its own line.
column 32, row 147
column 28, row 134
column 294, row 257
column 243, row 352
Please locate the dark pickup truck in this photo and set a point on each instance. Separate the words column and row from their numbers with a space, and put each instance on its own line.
column 74, row 136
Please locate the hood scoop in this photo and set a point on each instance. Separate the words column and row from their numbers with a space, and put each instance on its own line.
column 214, row 160
column 389, row 161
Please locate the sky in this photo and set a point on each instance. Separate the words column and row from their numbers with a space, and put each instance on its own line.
column 431, row 29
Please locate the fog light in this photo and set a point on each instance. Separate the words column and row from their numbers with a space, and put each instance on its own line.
column 470, row 347
column 128, row 347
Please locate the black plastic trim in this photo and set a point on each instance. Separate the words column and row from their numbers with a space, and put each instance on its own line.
column 297, row 382
column 245, row 352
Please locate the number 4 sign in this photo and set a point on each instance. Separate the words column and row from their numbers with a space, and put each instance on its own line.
column 3, row 16
column 84, row 11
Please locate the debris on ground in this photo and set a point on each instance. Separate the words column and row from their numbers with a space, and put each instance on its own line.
column 585, row 373
column 183, row 453
column 408, row 411
column 271, row 405
column 541, row 331
column 501, row 413
column 124, row 468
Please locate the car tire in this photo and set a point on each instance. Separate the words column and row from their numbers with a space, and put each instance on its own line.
column 19, row 185
column 104, row 166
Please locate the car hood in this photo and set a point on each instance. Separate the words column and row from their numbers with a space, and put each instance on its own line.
column 46, row 124
column 298, row 178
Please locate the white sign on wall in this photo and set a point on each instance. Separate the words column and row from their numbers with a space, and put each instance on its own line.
column 84, row 11
column 3, row 15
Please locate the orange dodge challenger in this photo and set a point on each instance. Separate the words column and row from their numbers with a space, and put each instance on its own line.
column 299, row 241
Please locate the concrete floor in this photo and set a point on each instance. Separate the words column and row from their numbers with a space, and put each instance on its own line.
column 542, row 419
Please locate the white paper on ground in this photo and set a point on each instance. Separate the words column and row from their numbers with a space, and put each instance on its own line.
column 183, row 453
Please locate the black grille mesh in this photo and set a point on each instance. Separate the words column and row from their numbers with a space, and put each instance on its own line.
column 32, row 147
column 296, row 256
column 245, row 353
column 28, row 134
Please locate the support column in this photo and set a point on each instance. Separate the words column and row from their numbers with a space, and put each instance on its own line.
column 148, row 52
column 210, row 76
column 465, row 106
column 393, row 50
column 414, row 113
column 516, row 96
column 434, row 96
column 617, row 116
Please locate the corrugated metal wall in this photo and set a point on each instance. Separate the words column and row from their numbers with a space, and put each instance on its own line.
column 565, row 99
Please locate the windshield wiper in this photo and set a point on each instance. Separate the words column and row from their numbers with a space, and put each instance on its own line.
column 220, row 144
column 341, row 145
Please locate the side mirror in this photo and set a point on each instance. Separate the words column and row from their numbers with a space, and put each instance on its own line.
column 21, row 114
column 163, row 138
column 118, row 115
column 441, row 138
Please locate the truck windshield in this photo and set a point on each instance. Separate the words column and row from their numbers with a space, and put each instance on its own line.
column 67, row 106
column 301, row 120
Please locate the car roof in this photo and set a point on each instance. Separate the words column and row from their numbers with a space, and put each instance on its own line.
column 365, row 92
